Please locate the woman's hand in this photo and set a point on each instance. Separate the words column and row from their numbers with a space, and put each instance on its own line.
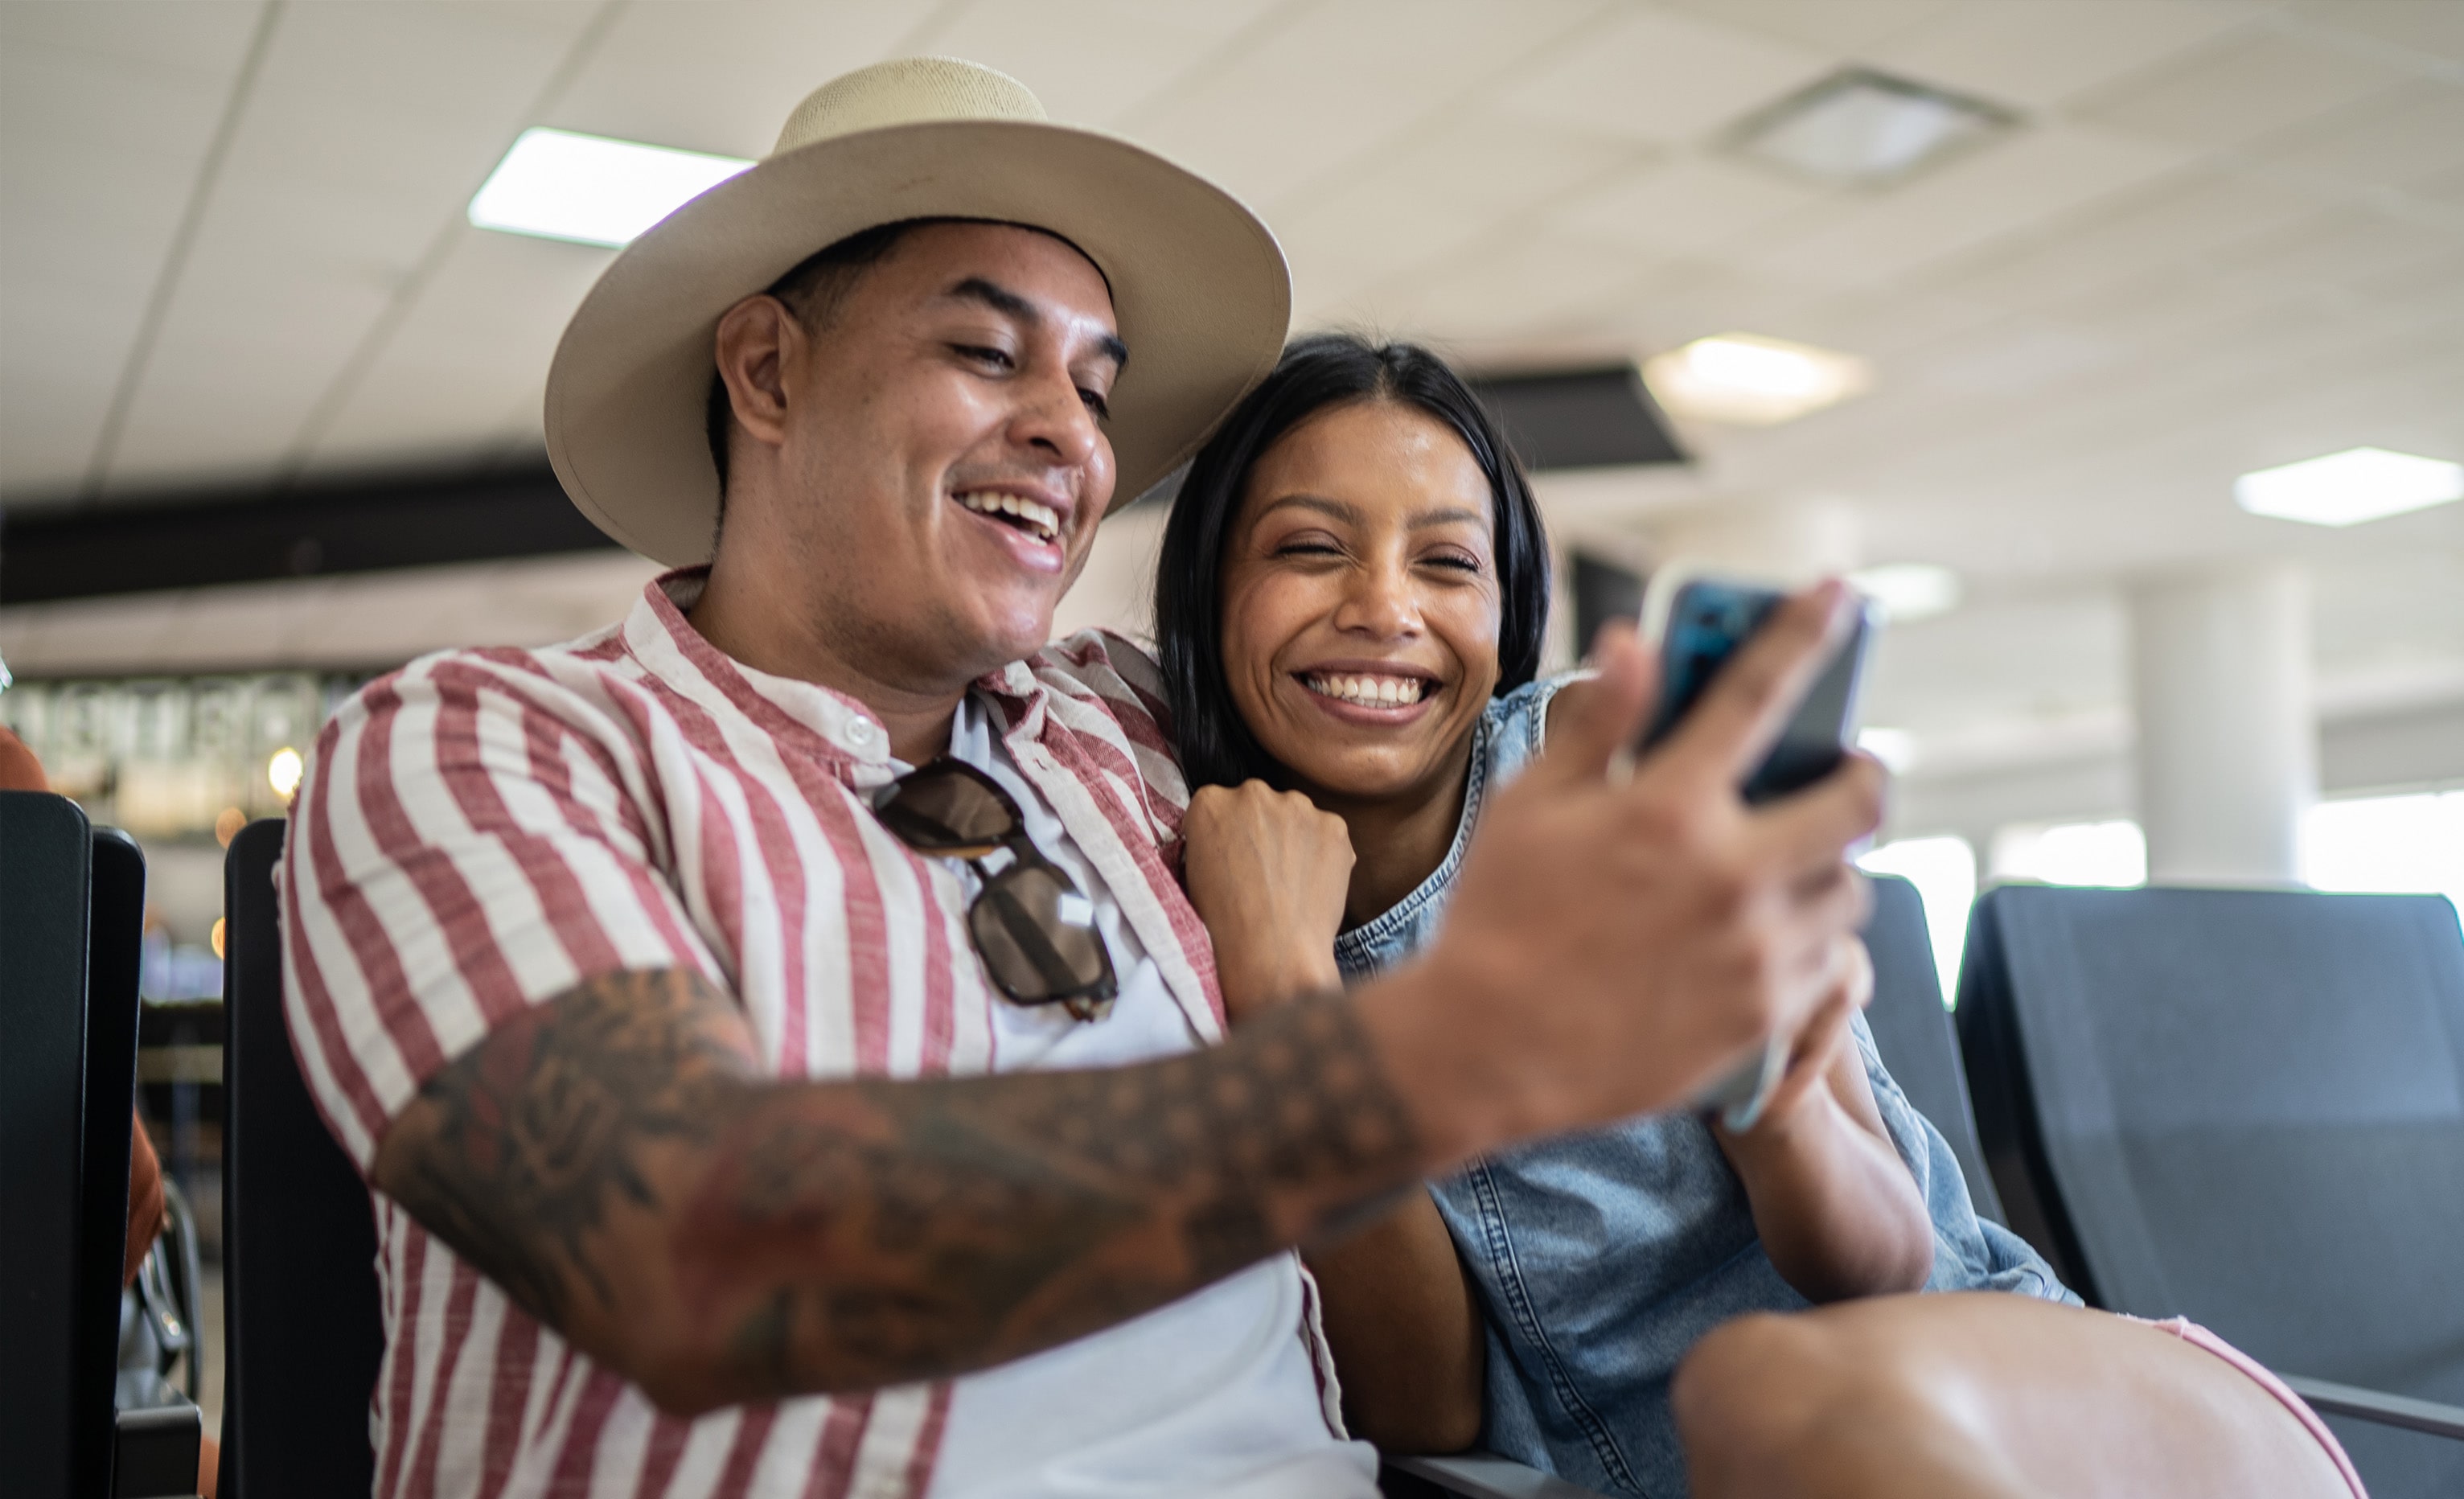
column 1267, row 872
column 1820, row 1049
column 1837, row 1212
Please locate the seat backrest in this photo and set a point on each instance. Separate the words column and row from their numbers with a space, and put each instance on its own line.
column 46, row 865
column 303, row 1334
column 72, row 909
column 1914, row 1032
column 2243, row 1106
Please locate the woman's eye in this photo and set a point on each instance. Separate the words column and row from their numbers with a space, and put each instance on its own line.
column 1307, row 548
column 1455, row 561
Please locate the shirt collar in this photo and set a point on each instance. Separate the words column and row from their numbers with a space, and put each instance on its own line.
column 834, row 724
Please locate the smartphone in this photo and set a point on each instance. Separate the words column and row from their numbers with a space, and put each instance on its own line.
column 1698, row 620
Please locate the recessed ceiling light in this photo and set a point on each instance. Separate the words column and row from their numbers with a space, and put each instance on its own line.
column 2346, row 488
column 1751, row 381
column 591, row 190
column 1859, row 128
column 1909, row 590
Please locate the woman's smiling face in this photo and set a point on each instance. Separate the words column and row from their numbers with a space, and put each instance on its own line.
column 1360, row 600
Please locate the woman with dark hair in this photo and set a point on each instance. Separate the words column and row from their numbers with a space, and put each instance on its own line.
column 1350, row 604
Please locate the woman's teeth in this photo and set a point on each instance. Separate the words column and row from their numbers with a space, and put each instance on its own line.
column 1034, row 515
column 1372, row 691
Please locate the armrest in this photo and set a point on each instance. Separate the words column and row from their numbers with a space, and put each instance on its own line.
column 1479, row 1475
column 2388, row 1410
column 156, row 1451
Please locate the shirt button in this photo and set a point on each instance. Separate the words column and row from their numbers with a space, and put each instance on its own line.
column 862, row 735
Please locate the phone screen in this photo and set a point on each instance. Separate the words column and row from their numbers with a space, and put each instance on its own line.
column 1707, row 622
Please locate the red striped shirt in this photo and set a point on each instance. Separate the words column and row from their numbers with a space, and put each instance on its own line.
column 485, row 830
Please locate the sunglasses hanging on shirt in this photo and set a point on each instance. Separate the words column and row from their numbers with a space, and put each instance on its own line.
column 1032, row 927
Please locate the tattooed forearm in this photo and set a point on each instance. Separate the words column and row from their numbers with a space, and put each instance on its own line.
column 615, row 1164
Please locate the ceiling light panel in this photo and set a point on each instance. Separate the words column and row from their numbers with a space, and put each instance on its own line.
column 2347, row 488
column 1859, row 128
column 591, row 190
column 1744, row 379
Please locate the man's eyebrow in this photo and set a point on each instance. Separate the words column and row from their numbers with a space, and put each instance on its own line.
column 1009, row 304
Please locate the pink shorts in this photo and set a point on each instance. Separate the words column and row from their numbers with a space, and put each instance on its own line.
column 2189, row 1332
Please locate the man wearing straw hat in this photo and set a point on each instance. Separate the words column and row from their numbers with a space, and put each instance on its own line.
column 786, row 1060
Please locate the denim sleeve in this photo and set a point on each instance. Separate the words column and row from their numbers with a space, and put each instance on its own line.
column 1969, row 1252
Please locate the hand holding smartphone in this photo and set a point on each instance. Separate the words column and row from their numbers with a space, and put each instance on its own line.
column 1698, row 622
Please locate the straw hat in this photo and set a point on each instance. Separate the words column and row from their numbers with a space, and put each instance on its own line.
column 1199, row 285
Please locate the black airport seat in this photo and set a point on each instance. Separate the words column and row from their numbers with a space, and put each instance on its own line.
column 1914, row 1031
column 303, row 1334
column 72, row 910
column 2245, row 1108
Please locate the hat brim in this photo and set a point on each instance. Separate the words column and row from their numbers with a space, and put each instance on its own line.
column 1200, row 291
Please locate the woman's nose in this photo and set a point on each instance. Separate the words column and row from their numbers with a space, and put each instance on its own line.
column 1378, row 601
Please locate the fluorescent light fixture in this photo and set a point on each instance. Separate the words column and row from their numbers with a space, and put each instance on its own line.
column 1749, row 381
column 1859, row 128
column 591, row 190
column 1895, row 748
column 2347, row 488
column 1909, row 590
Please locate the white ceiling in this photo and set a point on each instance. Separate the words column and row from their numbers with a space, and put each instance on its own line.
column 2228, row 235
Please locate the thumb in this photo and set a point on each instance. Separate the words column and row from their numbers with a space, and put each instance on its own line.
column 1602, row 717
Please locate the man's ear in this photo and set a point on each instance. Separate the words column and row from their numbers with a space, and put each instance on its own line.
column 758, row 341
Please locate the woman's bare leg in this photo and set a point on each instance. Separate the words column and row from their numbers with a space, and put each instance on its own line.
column 1982, row 1393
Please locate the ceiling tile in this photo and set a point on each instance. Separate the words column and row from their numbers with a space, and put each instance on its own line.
column 1403, row 210
column 1332, row 85
column 104, row 117
column 2432, row 28
column 1662, row 77
column 475, row 346
column 2340, row 247
column 166, row 39
column 724, row 77
column 1519, row 290
column 2034, row 54
column 1091, row 60
column 2411, row 138
column 2239, row 90
column 1690, row 206
column 2015, row 185
column 1843, row 27
column 2182, row 220
column 368, row 130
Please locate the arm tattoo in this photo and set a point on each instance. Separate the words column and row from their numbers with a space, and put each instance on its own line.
column 848, row 1235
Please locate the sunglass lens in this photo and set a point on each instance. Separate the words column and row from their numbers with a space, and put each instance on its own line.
column 1038, row 938
column 941, row 809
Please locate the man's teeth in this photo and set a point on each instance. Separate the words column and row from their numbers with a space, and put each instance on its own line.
column 1040, row 517
column 1374, row 692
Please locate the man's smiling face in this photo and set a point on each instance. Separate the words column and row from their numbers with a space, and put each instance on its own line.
column 940, row 462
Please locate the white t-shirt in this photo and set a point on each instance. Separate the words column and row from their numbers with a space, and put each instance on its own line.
column 1214, row 1396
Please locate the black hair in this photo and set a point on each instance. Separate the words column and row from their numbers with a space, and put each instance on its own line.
column 1324, row 370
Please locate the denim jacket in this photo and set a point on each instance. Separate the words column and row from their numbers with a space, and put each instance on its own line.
column 1601, row 1257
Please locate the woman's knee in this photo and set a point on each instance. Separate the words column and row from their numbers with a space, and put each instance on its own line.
column 1754, row 1381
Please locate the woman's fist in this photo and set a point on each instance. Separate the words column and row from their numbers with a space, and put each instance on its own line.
column 1267, row 872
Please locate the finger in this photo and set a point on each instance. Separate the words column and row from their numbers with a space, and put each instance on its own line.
column 1816, row 826
column 1749, row 701
column 1593, row 729
column 1822, row 914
